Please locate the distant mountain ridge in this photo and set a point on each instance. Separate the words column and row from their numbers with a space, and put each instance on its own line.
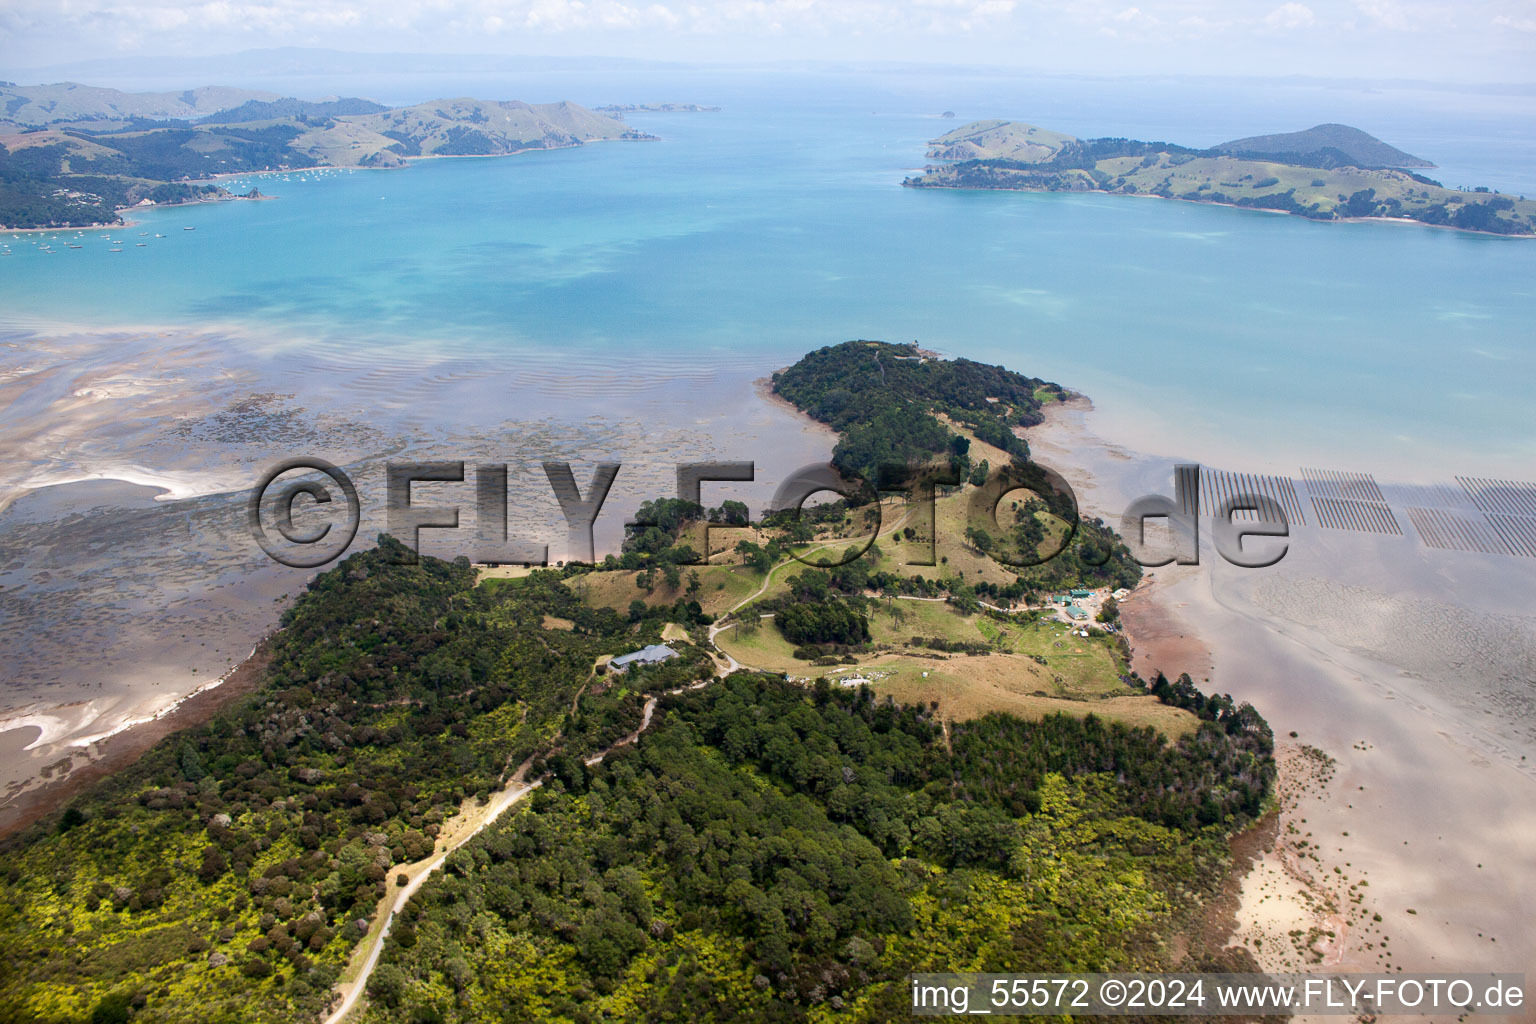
column 459, row 127
column 1361, row 148
column 268, row 110
column 34, row 106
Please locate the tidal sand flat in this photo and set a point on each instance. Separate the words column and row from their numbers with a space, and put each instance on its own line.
column 128, row 577
column 1398, row 680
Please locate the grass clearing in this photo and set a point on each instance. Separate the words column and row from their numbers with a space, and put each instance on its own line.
column 721, row 587
column 763, row 648
column 1083, row 667
column 508, row 572
column 897, row 621
column 970, row 686
column 1078, row 675
column 1075, row 667
column 948, row 549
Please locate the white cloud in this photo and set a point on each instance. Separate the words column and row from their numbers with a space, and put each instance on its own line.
column 472, row 18
column 1409, row 16
column 1290, row 16
column 1127, row 22
column 1194, row 24
column 1194, row 36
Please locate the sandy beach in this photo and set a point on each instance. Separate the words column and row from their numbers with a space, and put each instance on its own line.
column 1398, row 681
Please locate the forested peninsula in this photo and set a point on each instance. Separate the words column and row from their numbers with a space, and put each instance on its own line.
column 702, row 837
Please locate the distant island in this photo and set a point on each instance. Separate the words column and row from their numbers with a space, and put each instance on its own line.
column 73, row 156
column 619, row 109
column 1329, row 172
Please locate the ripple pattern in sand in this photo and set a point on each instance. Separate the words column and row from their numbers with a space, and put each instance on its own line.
column 1485, row 661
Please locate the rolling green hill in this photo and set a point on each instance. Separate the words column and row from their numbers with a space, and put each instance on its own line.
column 268, row 110
column 1360, row 148
column 998, row 140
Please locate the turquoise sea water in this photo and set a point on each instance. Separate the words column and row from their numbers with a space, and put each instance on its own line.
column 746, row 237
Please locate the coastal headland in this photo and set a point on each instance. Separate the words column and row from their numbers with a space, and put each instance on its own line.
column 1392, row 844
column 82, row 166
column 401, row 781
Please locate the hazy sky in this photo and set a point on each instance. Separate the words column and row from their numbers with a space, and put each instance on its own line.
column 1476, row 40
